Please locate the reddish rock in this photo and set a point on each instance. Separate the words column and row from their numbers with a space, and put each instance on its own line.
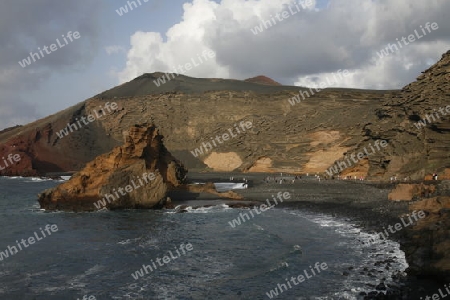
column 125, row 166
column 262, row 80
column 407, row 192
column 427, row 246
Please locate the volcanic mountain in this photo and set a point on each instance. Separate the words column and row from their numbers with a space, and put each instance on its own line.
column 294, row 129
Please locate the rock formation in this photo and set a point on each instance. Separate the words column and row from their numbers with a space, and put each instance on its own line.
column 408, row 192
column 42, row 151
column 416, row 123
column 135, row 175
column 426, row 244
column 416, row 150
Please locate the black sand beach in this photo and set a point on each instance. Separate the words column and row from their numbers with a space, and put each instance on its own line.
column 362, row 203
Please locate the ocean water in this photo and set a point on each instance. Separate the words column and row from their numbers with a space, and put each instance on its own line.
column 95, row 254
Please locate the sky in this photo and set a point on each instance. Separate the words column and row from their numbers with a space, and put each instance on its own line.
column 299, row 42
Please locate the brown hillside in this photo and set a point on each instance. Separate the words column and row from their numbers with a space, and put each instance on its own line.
column 309, row 136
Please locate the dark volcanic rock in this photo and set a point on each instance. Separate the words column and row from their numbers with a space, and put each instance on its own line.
column 427, row 245
column 416, row 152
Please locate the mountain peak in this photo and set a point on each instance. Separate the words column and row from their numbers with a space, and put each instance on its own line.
column 261, row 79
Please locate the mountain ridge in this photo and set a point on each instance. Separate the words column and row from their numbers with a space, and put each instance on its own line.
column 309, row 136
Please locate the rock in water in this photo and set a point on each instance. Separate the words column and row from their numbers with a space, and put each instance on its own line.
column 137, row 174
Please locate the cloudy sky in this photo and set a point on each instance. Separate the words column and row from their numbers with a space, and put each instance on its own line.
column 305, row 43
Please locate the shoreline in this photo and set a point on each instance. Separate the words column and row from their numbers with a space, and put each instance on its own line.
column 362, row 203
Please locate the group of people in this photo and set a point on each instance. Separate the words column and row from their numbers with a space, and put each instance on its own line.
column 281, row 180
column 408, row 178
column 243, row 179
column 275, row 179
column 292, row 178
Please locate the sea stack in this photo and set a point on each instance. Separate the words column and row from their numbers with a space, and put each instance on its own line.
column 137, row 174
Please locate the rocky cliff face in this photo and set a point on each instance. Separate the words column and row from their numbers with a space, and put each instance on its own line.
column 427, row 245
column 416, row 122
column 42, row 151
column 293, row 129
column 135, row 175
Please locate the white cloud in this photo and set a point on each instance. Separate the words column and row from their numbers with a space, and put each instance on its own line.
column 383, row 73
column 302, row 49
column 150, row 53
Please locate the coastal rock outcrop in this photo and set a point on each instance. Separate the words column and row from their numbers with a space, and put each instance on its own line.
column 416, row 123
column 408, row 192
column 135, row 175
column 427, row 245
